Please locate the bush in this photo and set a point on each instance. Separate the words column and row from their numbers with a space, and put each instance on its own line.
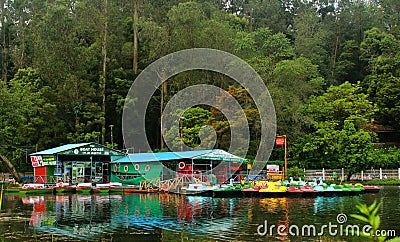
column 295, row 172
column 390, row 182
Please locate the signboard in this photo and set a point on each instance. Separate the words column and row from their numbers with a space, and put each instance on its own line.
column 272, row 169
column 280, row 141
column 39, row 160
column 249, row 166
column 91, row 149
column 49, row 160
column 36, row 161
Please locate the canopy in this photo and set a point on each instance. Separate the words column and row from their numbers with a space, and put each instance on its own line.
column 215, row 154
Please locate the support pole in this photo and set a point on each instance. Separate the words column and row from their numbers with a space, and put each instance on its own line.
column 342, row 174
column 192, row 170
column 286, row 162
column 91, row 169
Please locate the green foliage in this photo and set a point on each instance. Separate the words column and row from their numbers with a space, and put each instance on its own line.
column 52, row 62
column 295, row 172
column 194, row 120
column 369, row 215
column 355, row 148
column 386, row 182
column 340, row 103
column 386, row 158
column 338, row 140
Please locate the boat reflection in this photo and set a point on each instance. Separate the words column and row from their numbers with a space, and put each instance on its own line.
column 91, row 217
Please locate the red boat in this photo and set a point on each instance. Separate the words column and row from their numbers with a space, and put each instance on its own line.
column 371, row 189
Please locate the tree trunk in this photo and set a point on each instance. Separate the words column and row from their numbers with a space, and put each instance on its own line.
column 104, row 73
column 164, row 92
column 3, row 45
column 135, row 37
column 10, row 167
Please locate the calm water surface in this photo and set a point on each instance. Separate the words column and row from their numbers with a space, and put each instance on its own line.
column 167, row 217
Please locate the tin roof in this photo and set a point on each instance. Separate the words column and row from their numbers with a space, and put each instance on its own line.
column 63, row 149
column 215, row 154
column 60, row 149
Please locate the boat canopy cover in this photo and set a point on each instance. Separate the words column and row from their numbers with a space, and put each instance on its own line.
column 215, row 154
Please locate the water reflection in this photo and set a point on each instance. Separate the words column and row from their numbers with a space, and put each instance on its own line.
column 160, row 216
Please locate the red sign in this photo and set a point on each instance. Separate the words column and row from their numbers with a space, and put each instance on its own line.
column 36, row 161
column 280, row 141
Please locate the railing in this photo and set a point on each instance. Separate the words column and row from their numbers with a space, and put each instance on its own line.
column 332, row 174
column 177, row 183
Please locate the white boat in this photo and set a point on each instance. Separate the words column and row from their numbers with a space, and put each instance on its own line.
column 197, row 189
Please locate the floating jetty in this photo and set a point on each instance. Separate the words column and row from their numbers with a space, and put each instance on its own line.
column 262, row 189
column 276, row 189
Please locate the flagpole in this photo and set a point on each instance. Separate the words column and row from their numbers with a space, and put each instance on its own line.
column 286, row 165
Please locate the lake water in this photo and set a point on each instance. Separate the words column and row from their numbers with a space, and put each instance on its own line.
column 168, row 217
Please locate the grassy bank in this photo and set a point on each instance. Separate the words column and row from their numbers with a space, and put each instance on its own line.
column 395, row 182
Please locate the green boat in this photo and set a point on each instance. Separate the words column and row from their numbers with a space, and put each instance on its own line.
column 101, row 188
column 116, row 188
column 84, row 188
column 12, row 189
column 34, row 189
column 64, row 188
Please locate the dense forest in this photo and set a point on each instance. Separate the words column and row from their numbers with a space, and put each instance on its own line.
column 331, row 66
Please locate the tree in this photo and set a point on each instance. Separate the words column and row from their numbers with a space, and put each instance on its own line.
column 355, row 148
column 294, row 82
column 27, row 117
column 337, row 138
column 381, row 52
column 340, row 103
column 190, row 125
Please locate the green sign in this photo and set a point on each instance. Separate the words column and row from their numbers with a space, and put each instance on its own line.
column 91, row 149
column 49, row 160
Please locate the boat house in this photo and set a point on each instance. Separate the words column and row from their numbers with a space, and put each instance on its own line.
column 74, row 163
column 92, row 162
column 204, row 165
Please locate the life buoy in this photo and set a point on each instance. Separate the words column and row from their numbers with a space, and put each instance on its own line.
column 181, row 165
column 126, row 168
column 115, row 168
column 148, row 168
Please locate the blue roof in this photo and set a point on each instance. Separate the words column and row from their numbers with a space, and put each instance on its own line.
column 167, row 156
column 59, row 149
